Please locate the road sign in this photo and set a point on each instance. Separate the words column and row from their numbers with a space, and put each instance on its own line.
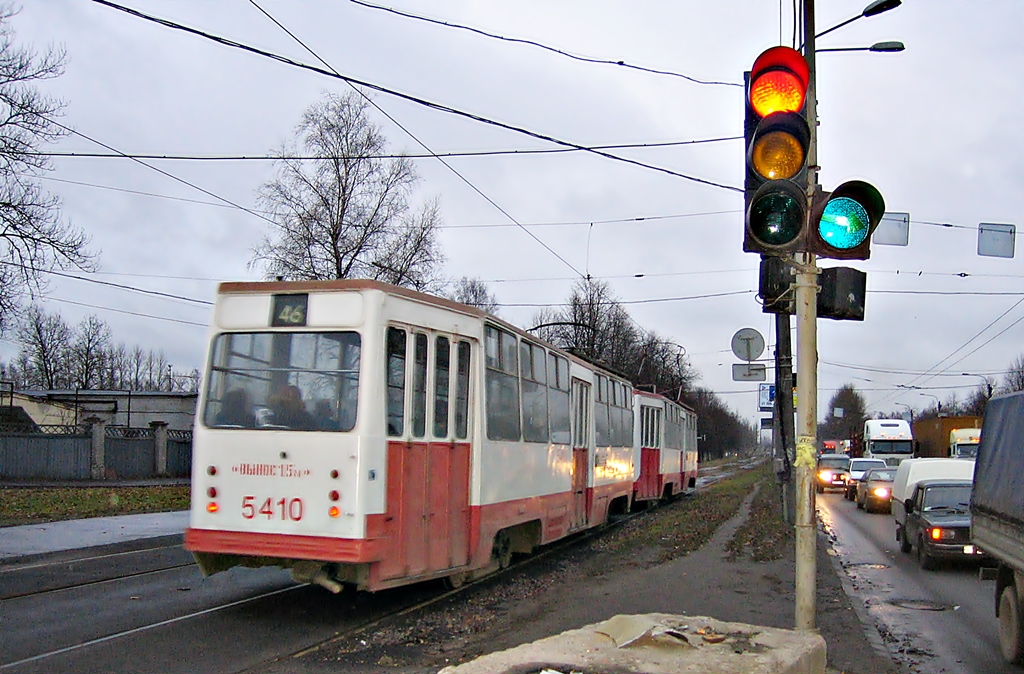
column 749, row 372
column 766, row 397
column 748, row 345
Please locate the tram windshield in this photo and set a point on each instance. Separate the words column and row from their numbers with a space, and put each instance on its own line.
column 306, row 381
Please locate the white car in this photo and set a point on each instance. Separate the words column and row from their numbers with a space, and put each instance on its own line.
column 857, row 469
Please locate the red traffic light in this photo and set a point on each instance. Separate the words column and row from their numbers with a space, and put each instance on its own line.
column 778, row 81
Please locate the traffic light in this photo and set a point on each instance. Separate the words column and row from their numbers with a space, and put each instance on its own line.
column 777, row 139
column 843, row 220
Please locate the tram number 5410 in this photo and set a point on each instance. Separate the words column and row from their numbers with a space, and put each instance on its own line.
column 284, row 508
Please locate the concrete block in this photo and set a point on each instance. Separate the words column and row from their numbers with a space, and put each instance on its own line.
column 657, row 643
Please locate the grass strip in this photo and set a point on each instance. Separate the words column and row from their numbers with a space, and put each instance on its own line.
column 37, row 506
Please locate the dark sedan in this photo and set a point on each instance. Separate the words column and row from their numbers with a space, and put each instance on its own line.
column 874, row 490
column 939, row 521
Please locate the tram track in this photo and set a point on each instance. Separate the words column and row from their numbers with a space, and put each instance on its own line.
column 82, row 568
column 359, row 622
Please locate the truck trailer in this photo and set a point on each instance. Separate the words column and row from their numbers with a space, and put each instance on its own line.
column 932, row 436
column 997, row 513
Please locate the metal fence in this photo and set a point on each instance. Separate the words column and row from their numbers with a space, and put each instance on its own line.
column 93, row 452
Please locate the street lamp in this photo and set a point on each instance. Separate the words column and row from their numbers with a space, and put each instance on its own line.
column 890, row 46
column 874, row 9
column 938, row 403
column 909, row 409
column 988, row 384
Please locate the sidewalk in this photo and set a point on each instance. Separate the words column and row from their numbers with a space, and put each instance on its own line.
column 37, row 539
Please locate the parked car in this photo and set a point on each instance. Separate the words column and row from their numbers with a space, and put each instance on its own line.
column 938, row 523
column 874, row 489
column 832, row 471
column 857, row 468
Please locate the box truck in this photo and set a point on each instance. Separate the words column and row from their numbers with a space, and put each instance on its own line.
column 932, row 436
column 997, row 513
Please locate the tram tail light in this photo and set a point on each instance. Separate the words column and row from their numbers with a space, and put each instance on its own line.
column 212, row 507
column 334, row 511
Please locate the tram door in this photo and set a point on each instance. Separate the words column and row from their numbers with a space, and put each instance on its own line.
column 580, row 452
column 428, row 469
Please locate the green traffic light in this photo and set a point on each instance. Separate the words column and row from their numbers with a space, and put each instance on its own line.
column 844, row 223
column 777, row 218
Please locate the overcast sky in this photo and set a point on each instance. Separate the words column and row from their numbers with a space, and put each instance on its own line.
column 936, row 128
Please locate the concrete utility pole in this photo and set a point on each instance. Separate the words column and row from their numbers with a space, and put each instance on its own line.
column 807, row 371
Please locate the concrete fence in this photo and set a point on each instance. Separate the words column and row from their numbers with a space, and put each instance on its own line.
column 94, row 451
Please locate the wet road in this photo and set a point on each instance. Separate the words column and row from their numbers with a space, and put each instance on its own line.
column 931, row 621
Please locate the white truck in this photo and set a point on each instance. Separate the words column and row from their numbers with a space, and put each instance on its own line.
column 888, row 439
column 963, row 443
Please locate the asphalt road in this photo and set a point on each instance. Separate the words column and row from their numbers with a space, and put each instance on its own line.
column 931, row 621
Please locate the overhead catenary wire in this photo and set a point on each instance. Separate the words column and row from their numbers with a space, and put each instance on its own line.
column 533, row 43
column 402, row 155
column 409, row 97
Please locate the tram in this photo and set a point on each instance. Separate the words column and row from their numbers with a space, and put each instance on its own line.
column 361, row 434
column 665, row 461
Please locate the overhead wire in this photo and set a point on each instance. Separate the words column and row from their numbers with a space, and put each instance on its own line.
column 409, row 97
column 532, row 43
column 403, row 155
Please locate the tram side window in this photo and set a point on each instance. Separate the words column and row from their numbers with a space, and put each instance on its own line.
column 650, row 426
column 602, row 425
column 462, row 391
column 419, row 386
column 396, row 381
column 502, row 380
column 442, row 372
column 558, row 399
column 532, row 365
column 625, row 415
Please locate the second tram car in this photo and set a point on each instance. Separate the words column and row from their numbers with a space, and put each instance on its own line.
column 362, row 434
column 665, row 437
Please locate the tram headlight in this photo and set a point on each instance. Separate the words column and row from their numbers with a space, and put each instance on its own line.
column 212, row 507
column 334, row 511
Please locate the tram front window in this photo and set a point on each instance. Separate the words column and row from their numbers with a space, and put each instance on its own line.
column 307, row 381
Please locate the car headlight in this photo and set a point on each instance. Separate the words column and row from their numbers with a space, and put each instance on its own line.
column 825, row 475
column 880, row 492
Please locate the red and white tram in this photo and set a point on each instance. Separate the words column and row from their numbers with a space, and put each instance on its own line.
column 666, row 440
column 364, row 434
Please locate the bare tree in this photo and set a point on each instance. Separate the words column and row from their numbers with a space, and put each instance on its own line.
column 475, row 293
column 346, row 214
column 46, row 341
column 89, row 351
column 1014, row 379
column 34, row 238
column 976, row 401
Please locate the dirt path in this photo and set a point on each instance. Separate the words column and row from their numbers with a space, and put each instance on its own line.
column 594, row 581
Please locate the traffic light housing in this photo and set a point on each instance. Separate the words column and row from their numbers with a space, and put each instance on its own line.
column 777, row 139
column 843, row 220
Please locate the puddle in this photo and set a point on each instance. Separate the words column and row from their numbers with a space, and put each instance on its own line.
column 919, row 604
